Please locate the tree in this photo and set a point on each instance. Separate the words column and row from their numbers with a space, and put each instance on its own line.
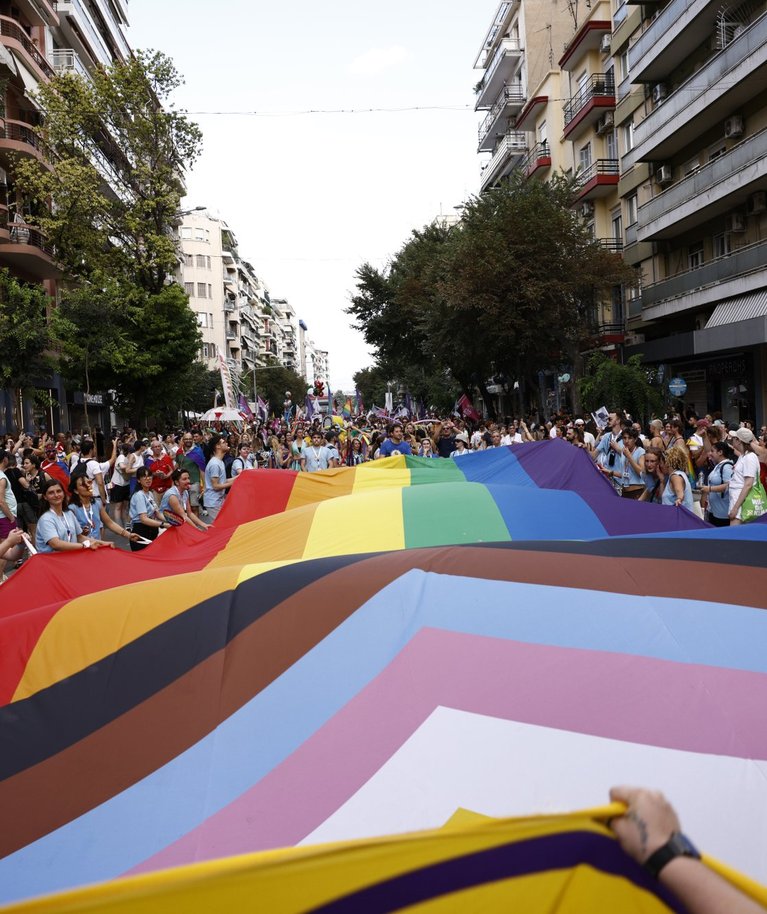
column 508, row 290
column 272, row 382
column 24, row 334
column 109, row 204
column 627, row 387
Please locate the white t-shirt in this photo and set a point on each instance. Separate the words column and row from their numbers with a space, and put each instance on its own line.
column 92, row 468
column 589, row 439
column 117, row 474
column 746, row 465
column 553, row 431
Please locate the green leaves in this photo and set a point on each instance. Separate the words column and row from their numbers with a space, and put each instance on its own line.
column 24, row 333
column 506, row 291
column 627, row 387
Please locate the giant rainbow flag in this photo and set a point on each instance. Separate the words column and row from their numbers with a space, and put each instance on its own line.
column 361, row 652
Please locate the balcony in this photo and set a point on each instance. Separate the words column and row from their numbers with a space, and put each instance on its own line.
column 28, row 252
column 591, row 101
column 66, row 60
column 678, row 30
column 5, row 234
column 39, row 12
column 510, row 101
column 229, row 305
column 712, row 190
column 609, row 334
column 231, row 335
column 79, row 26
column 597, row 180
column 13, row 36
column 19, row 138
column 511, row 149
column 503, row 66
column 730, row 80
column 538, row 158
column 587, row 38
column 734, row 274
column 614, row 245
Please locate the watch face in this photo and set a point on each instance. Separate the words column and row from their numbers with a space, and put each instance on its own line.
column 683, row 846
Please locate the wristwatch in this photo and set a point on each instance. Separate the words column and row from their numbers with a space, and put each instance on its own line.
column 86, row 544
column 678, row 845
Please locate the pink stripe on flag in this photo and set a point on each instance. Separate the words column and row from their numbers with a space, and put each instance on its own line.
column 618, row 696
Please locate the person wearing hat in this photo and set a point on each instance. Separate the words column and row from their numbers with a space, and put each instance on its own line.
column 461, row 445
column 745, row 472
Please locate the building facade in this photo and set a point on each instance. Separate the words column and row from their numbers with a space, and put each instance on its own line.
column 658, row 109
column 39, row 38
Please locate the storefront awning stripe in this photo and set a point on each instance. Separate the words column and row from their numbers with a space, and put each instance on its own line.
column 739, row 309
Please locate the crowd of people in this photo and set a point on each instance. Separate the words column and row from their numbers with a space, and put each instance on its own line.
column 62, row 493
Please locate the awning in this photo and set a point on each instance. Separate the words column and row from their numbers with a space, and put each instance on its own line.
column 30, row 81
column 738, row 309
column 8, row 59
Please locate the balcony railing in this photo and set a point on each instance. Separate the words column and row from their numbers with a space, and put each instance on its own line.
column 21, row 132
column 597, row 169
column 739, row 262
column 611, row 244
column 598, row 85
column 231, row 334
column 631, row 234
column 507, row 48
column 536, row 157
column 67, row 60
column 21, row 233
column 696, row 96
column 513, row 142
column 85, row 22
column 9, row 28
column 510, row 95
column 707, row 180
column 662, row 28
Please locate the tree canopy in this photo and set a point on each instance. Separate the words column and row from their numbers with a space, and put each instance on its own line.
column 109, row 202
column 628, row 387
column 508, row 290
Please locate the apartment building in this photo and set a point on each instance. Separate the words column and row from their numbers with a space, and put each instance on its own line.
column 520, row 48
column 37, row 39
column 695, row 197
column 663, row 121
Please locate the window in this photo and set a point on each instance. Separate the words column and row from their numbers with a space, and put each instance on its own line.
column 718, row 150
column 202, row 290
column 210, row 291
column 628, row 136
column 695, row 255
column 631, row 209
column 616, row 221
column 208, row 261
column 200, row 261
column 188, row 260
column 202, row 319
column 189, row 288
column 584, row 157
column 625, row 64
column 612, row 145
column 186, row 232
column 722, row 246
column 199, row 234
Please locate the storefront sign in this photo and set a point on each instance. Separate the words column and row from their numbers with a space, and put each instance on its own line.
column 677, row 387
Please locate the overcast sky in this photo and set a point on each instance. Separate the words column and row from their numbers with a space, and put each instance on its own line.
column 312, row 196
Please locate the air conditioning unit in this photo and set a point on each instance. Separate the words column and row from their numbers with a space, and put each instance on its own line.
column 733, row 126
column 587, row 209
column 633, row 339
column 605, row 123
column 735, row 222
column 664, row 175
column 659, row 92
column 757, row 203
column 604, row 47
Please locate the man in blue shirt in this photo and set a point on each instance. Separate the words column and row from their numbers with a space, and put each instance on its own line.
column 393, row 446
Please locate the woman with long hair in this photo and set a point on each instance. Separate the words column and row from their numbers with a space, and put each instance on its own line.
column 716, row 489
column 175, row 507
column 146, row 519
column 58, row 530
column 90, row 513
column 678, row 491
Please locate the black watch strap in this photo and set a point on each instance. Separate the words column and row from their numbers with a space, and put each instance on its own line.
column 678, row 845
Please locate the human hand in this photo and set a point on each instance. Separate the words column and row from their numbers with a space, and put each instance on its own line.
column 15, row 537
column 647, row 824
column 135, row 538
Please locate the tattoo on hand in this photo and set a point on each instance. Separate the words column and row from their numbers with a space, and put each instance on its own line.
column 641, row 828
